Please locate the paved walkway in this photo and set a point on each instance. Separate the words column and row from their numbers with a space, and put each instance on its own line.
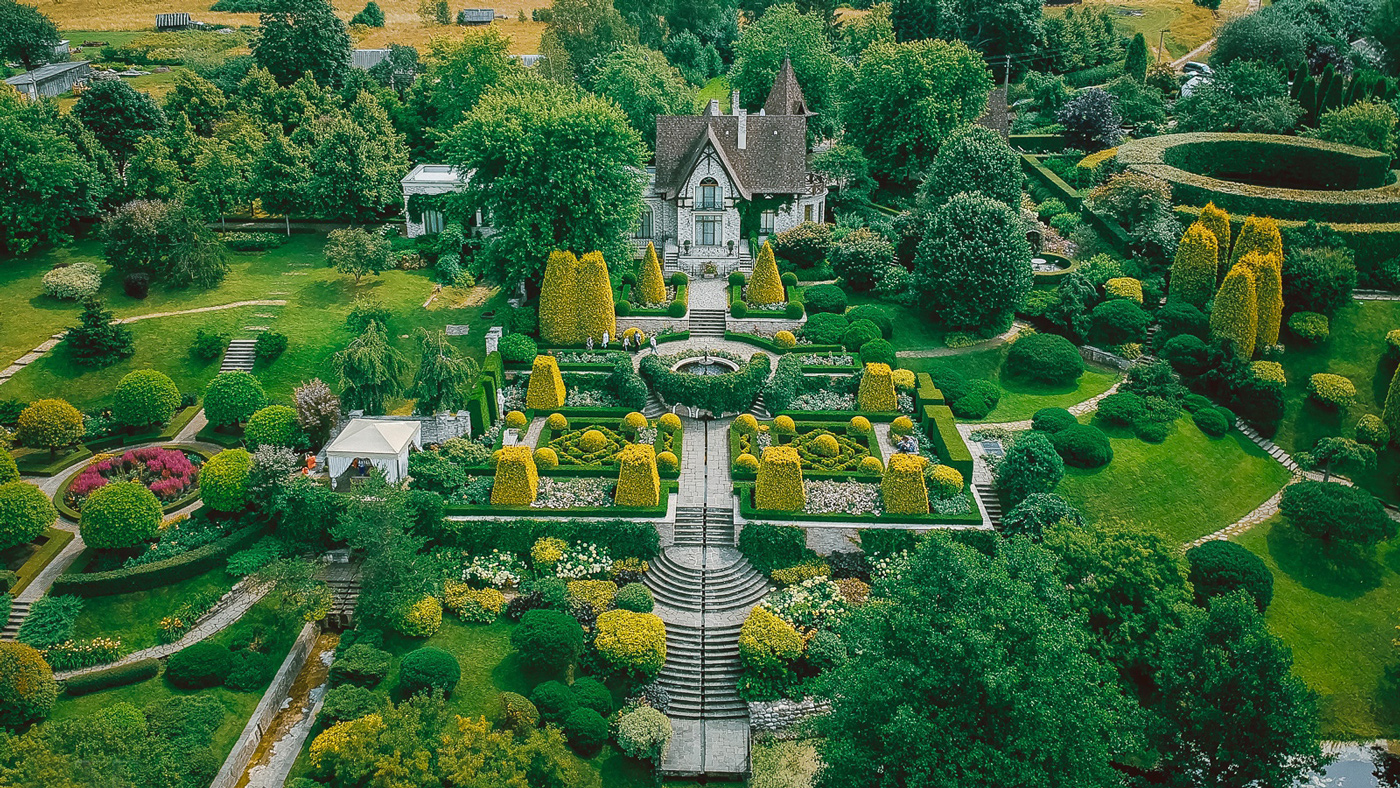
column 709, row 294
column 938, row 352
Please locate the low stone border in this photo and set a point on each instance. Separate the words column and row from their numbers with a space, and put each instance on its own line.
column 779, row 715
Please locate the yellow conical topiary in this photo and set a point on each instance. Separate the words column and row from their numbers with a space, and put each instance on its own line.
column 903, row 487
column 596, row 314
column 766, row 284
column 651, row 287
column 1259, row 234
column 638, row 483
column 1194, row 269
column 779, row 486
column 1268, row 296
column 876, row 393
column 559, row 300
column 1218, row 222
column 546, row 389
column 517, row 478
column 1235, row 316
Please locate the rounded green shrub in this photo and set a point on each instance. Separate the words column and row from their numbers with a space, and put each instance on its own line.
column 980, row 398
column 878, row 351
column 1119, row 321
column 119, row 515
column 145, row 397
column 1044, row 358
column 858, row 332
column 1211, row 421
column 736, row 278
column 1336, row 512
column 232, row 397
column 739, row 309
column 554, row 700
column 518, row 349
column 824, row 328
column 547, row 640
column 1310, row 327
column 679, row 278
column 586, row 731
column 824, row 298
column 874, row 314
column 9, row 471
column 428, row 669
column 1083, row 446
column 49, row 424
column 204, row 664
column 223, row 481
column 27, row 686
column 518, row 714
column 789, row 279
column 643, row 733
column 360, row 664
column 591, row 694
column 1052, row 420
column 794, row 310
column 1121, row 409
column 635, row 597
column 274, row 425
column 1220, row 567
column 25, row 512
column 1334, row 391
column 348, row 702
column 1372, row 431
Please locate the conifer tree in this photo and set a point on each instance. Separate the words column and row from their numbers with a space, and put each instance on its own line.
column 444, row 374
column 1218, row 222
column 651, row 287
column 1391, row 414
column 596, row 312
column 766, row 285
column 558, row 300
column 1235, row 316
column 1268, row 291
column 1193, row 273
column 1260, row 235
column 1136, row 64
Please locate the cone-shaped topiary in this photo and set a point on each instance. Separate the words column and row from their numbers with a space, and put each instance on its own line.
column 1194, row 269
column 1218, row 222
column 546, row 390
column 1235, row 316
column 876, row 390
column 517, row 480
column 903, row 487
column 1268, row 296
column 594, row 299
column 1259, row 234
column 638, row 483
column 651, row 288
column 765, row 286
column 559, row 299
column 779, row 486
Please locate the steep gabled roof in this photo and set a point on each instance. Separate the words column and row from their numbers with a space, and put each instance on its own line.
column 786, row 96
column 707, row 141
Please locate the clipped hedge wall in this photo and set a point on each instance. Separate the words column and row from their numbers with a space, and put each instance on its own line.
column 115, row 676
column 623, row 538
column 732, row 392
column 158, row 573
column 943, row 431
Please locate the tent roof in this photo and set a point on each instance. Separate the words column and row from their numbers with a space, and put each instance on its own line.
column 364, row 437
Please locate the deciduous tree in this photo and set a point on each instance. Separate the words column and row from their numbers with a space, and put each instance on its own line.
column 973, row 159
column 300, row 36
column 370, row 370
column 785, row 32
column 119, row 116
column 46, row 181
column 357, row 252
column 644, row 85
column 973, row 244
column 443, row 374
column 27, row 36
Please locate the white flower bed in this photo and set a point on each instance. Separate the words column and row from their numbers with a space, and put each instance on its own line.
column 583, row 560
column 647, row 435
column 824, row 399
column 814, row 603
column 589, row 398
column 905, row 402
column 555, row 493
column 891, row 565
column 855, row 498
column 827, row 360
column 585, row 357
column 513, row 395
column 498, row 569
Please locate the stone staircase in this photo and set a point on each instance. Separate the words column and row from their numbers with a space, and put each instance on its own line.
column 745, row 261
column 19, row 611
column 344, row 583
column 759, row 410
column 733, row 586
column 239, row 356
column 707, row 323
column 690, row 526
column 702, row 666
column 654, row 407
column 988, row 495
column 671, row 259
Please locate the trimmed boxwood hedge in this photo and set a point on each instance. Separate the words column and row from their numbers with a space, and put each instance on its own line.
column 115, row 676
column 732, row 392
column 623, row 538
column 157, row 573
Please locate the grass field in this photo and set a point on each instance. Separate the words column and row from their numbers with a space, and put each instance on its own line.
column 1185, row 487
column 1338, row 614
column 1187, row 25
column 1019, row 400
column 135, row 617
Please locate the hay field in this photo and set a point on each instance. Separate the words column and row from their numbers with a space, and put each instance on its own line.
column 402, row 24
column 1187, row 25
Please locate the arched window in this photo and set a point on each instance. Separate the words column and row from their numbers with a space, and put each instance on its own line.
column 709, row 195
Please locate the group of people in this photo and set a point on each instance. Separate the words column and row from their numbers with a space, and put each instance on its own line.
column 630, row 342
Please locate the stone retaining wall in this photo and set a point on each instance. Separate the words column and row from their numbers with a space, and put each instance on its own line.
column 654, row 325
column 1103, row 357
column 779, row 715
column 765, row 326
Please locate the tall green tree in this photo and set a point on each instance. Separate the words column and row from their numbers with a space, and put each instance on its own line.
column 300, row 36
column 784, row 31
column 907, row 98
column 1135, row 65
column 369, row 370
column 165, row 239
column 357, row 161
column 219, row 179
column 456, row 75
column 554, row 170
column 1385, row 29
column 119, row 116
column 27, row 36
column 974, row 159
column 973, row 244
column 281, row 176
column 992, row 27
column 152, row 172
column 588, row 29
column 98, row 340
column 357, row 252
column 1026, row 706
column 46, row 181
column 644, row 85
column 443, row 376
column 199, row 99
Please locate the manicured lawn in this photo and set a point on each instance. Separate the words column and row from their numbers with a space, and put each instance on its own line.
column 1354, row 350
column 1185, row 487
column 912, row 328
column 135, row 617
column 1337, row 613
column 1019, row 400
column 718, row 89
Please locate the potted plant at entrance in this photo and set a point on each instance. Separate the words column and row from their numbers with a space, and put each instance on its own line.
column 687, row 246
column 711, row 271
column 731, row 247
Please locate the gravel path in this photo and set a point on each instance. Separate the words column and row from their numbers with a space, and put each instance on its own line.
column 938, row 352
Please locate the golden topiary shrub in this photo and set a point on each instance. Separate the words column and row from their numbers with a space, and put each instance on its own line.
column 633, row 422
column 1195, row 268
column 1268, row 296
column 746, row 424
column 785, row 339
column 767, row 644
column 596, row 314
column 559, row 299
column 546, row 390
column 901, row 426
column 592, row 440
column 516, row 420
column 825, row 446
column 557, row 422
column 422, row 619
column 635, row 335
column 944, row 481
column 1332, row 390
column 902, row 487
column 784, row 425
column 634, row 643
column 903, row 379
column 1124, row 287
column 1259, row 234
column 517, row 480
column 746, row 462
column 766, row 284
column 1270, row 371
column 1218, row 222
column 546, row 457
column 871, row 465
column 858, row 425
column 876, row 392
column 1235, row 316
column 666, row 462
column 669, row 423
column 651, row 287
column 547, row 550
column 341, row 738
column 599, row 594
column 779, row 486
column 638, row 483
column 480, row 606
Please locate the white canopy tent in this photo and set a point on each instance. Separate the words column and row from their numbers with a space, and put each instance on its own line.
column 383, row 444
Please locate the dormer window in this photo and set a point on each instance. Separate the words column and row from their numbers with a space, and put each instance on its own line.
column 709, row 195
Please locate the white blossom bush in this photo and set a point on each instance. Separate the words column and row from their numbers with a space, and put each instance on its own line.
column 583, row 560
column 958, row 504
column 855, row 498
column 73, row 282
column 556, row 493
column 814, row 603
column 828, row 360
column 498, row 569
column 823, row 399
column 892, row 565
column 578, row 397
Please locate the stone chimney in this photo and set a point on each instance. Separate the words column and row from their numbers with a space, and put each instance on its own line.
column 713, row 107
column 743, row 129
column 734, row 102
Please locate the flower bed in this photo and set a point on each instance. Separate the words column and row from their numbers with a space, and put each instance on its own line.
column 171, row 472
column 958, row 510
column 582, row 390
column 567, row 444
column 851, row 449
column 584, row 492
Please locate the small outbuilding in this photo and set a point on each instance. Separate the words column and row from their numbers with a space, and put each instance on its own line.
column 373, row 443
column 180, row 21
column 476, row 16
column 367, row 59
column 55, row 79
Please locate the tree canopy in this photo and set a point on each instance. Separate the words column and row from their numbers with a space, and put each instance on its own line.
column 785, row 32
column 302, row 36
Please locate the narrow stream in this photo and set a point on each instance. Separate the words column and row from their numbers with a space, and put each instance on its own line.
column 282, row 742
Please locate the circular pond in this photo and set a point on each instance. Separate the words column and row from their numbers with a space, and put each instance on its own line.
column 705, row 365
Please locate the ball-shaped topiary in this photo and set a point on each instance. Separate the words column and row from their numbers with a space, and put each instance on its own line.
column 1220, row 567
column 785, row 339
column 223, row 481
column 1119, row 321
column 877, row 351
column 825, row 446
column 592, row 440
column 1121, row 408
column 643, row 733
column 825, row 328
column 274, row 425
column 554, row 700
column 858, row 425
column 874, row 314
column 518, row 348
column 631, row 643
column 1052, row 420
column 635, row 597
column 27, row 686
column 739, row 309
column 49, row 424
column 901, row 426
column 586, row 731
column 428, row 669
column 871, row 465
column 204, row 664
column 25, row 512
column 1211, row 421
column 232, row 397
column 669, row 423
column 1333, row 391
column 1372, row 431
column 784, row 425
column 746, row 424
column 824, row 298
column 518, row 714
column 516, row 420
column 858, row 332
column 9, row 471
column 746, row 463
column 944, row 481
column 591, row 694
column 546, row 457
column 736, row 278
column 679, row 278
column 119, row 515
column 1082, row 446
column 632, row 422
column 789, row 279
column 145, row 397
column 794, row 310
column 557, row 422
column 667, row 462
column 1044, row 358
column 547, row 640
column 904, row 379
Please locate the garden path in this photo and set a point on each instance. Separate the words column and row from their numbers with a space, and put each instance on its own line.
column 709, row 294
column 937, row 352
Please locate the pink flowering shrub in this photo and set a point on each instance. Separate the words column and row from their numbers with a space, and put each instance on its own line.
column 169, row 473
